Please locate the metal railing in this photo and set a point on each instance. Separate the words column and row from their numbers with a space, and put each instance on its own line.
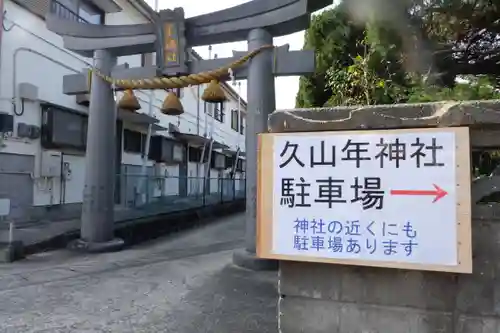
column 176, row 193
column 64, row 12
column 163, row 195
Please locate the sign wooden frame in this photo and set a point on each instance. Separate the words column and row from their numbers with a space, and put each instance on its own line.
column 265, row 193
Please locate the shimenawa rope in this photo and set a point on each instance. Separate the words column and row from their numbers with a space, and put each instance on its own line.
column 182, row 81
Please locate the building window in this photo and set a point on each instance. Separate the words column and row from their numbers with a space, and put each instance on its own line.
column 219, row 113
column 77, row 10
column 63, row 129
column 195, row 154
column 133, row 142
column 216, row 114
column 234, row 120
column 90, row 13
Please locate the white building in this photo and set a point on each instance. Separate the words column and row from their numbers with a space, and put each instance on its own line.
column 42, row 163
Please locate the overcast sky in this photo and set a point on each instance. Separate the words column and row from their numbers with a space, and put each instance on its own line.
column 286, row 87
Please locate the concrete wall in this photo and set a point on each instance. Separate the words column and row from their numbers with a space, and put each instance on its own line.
column 320, row 298
column 32, row 54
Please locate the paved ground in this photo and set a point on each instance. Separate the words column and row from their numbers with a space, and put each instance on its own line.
column 181, row 284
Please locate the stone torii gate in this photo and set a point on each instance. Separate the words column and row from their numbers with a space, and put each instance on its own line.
column 257, row 21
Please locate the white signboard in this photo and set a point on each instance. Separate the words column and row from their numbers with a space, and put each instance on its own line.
column 372, row 197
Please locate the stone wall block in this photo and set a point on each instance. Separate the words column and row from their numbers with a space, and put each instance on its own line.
column 479, row 293
column 307, row 315
column 310, row 280
column 423, row 290
column 436, row 114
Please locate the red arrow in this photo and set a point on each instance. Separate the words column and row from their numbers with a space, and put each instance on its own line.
column 438, row 192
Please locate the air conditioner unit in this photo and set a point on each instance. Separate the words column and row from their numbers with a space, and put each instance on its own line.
column 219, row 161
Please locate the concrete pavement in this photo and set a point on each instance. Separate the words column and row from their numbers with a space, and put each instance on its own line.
column 183, row 283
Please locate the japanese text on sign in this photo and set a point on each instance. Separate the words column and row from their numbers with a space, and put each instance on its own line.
column 384, row 197
column 170, row 44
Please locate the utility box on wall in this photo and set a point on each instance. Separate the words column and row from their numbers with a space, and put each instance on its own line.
column 27, row 91
column 28, row 131
column 50, row 164
column 158, row 170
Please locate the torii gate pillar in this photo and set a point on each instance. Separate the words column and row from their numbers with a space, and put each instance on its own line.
column 97, row 219
column 96, row 196
column 261, row 103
